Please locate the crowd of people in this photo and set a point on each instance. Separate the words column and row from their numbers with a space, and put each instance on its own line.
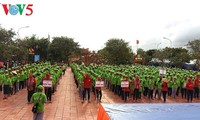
column 29, row 76
column 40, row 80
column 141, row 81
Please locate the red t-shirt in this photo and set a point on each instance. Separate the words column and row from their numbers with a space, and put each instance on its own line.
column 87, row 82
column 31, row 82
column 189, row 85
column 164, row 86
column 136, row 84
column 196, row 82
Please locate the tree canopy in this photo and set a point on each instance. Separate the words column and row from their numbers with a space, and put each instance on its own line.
column 116, row 52
column 194, row 49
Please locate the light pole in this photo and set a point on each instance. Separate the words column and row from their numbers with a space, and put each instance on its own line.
column 171, row 47
column 158, row 45
column 20, row 29
column 169, row 41
column 18, row 36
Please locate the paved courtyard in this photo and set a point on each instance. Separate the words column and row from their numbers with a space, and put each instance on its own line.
column 66, row 103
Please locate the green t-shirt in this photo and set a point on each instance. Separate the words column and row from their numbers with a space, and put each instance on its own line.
column 40, row 98
column 174, row 85
column 151, row 84
column 7, row 81
column 159, row 84
column 170, row 84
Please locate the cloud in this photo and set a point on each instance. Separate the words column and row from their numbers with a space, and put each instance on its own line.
column 186, row 36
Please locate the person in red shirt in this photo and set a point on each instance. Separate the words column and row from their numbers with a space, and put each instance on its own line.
column 164, row 88
column 136, row 87
column 190, row 87
column 87, row 83
column 125, row 90
column 31, row 82
column 98, row 91
column 48, row 89
column 196, row 87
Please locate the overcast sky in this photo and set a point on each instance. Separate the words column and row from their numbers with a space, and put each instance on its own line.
column 93, row 22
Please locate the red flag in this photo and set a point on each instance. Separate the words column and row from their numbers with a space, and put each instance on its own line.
column 137, row 41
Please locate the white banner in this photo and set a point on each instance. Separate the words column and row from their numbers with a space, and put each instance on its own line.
column 99, row 84
column 163, row 72
column 47, row 83
column 124, row 84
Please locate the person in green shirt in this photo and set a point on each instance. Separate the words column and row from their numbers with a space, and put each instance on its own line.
column 40, row 98
column 145, row 84
column 6, row 86
column 150, row 88
column 174, row 87
column 159, row 87
column 169, row 86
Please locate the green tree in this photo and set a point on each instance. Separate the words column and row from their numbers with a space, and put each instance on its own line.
column 103, row 56
column 61, row 48
column 117, row 52
column 194, row 49
column 149, row 55
column 179, row 56
column 161, row 55
column 7, row 44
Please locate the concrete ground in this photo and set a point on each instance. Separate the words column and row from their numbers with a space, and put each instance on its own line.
column 66, row 103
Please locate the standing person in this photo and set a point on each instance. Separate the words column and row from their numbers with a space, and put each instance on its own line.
column 196, row 87
column 164, row 88
column 31, row 82
column 174, row 87
column 145, row 83
column 48, row 89
column 190, row 87
column 183, row 88
column 136, row 85
column 98, row 91
column 40, row 98
column 126, row 90
column 87, row 84
column 159, row 87
column 6, row 86
column 151, row 88
column 170, row 86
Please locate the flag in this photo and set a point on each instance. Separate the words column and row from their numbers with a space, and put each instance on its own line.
column 137, row 41
column 31, row 51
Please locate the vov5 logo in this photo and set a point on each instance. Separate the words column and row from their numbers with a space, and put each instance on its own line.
column 21, row 9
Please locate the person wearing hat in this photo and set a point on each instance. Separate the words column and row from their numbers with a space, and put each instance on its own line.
column 190, row 88
column 164, row 88
column 87, row 84
column 125, row 89
column 98, row 91
column 48, row 88
column 183, row 88
column 196, row 87
column 31, row 82
column 136, row 84
column 6, row 86
column 150, row 88
column 174, row 87
column 40, row 98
